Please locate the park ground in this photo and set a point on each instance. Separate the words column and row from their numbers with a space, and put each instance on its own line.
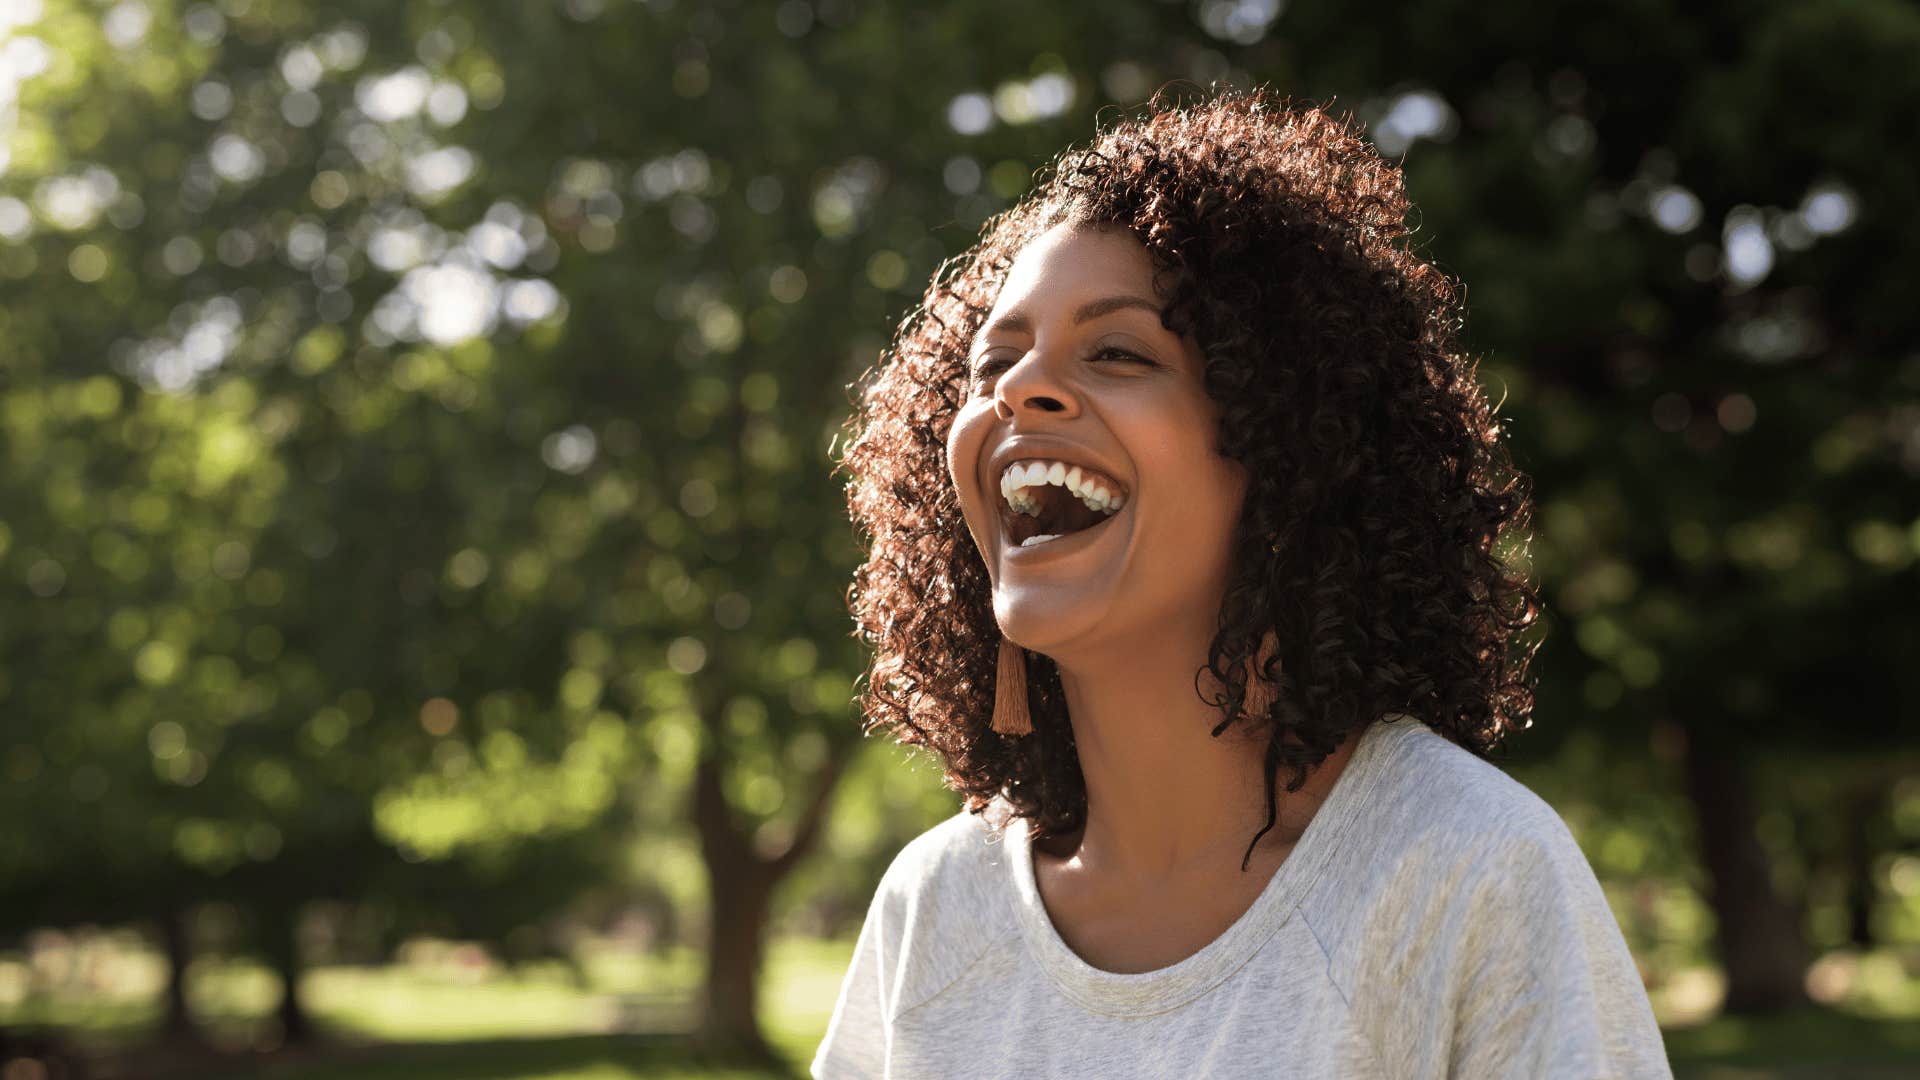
column 447, row 1011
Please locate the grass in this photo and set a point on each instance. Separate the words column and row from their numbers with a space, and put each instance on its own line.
column 576, row 1057
column 1813, row 1042
column 449, row 1013
column 454, row 1014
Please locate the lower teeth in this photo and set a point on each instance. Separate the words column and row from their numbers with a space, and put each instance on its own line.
column 1041, row 539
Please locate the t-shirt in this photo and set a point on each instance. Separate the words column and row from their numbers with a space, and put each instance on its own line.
column 1435, row 919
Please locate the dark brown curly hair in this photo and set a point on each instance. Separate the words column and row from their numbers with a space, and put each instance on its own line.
column 1379, row 483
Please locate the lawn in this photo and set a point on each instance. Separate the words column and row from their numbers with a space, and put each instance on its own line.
column 448, row 1012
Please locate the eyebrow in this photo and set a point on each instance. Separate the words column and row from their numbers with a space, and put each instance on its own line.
column 1093, row 309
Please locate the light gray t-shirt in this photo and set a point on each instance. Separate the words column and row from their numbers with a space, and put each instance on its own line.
column 1436, row 919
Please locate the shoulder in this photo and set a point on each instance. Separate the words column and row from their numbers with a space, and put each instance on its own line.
column 1467, row 894
column 1445, row 834
column 955, row 851
column 946, row 898
column 1439, row 799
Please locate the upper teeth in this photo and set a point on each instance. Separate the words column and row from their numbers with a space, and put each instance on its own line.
column 1091, row 488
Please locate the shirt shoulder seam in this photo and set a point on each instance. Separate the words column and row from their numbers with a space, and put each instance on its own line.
column 1346, row 1000
column 985, row 948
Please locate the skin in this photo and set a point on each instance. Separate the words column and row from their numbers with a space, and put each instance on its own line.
column 1126, row 613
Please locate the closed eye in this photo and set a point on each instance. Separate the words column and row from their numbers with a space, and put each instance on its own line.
column 988, row 368
column 1116, row 353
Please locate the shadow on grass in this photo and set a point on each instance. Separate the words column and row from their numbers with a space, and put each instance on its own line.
column 1803, row 1044
column 575, row 1057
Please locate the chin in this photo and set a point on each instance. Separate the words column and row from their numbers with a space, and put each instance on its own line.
column 1039, row 624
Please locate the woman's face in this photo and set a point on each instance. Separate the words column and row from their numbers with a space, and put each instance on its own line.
column 1073, row 367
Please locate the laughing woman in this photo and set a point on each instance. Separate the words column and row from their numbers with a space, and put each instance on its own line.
column 1188, row 528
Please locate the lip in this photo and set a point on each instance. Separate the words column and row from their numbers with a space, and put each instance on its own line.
column 1052, row 448
column 1024, row 447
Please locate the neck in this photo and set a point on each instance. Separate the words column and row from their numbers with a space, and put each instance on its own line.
column 1164, row 796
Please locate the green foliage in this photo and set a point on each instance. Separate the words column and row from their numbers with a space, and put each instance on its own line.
column 414, row 437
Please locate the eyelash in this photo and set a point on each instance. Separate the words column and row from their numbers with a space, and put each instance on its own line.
column 994, row 367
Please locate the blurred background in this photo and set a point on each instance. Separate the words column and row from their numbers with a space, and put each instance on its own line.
column 425, row 649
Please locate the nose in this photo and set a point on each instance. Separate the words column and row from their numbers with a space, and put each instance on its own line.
column 1033, row 385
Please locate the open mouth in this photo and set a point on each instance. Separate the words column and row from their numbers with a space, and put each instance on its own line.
column 1042, row 501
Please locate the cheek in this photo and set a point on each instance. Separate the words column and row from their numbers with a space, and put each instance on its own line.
column 964, row 441
column 1210, row 488
column 1230, row 483
column 1226, row 478
column 1215, row 490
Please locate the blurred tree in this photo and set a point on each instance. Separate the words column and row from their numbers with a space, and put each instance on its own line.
column 1679, row 226
column 240, row 679
column 416, row 439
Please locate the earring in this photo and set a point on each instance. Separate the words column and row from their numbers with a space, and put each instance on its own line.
column 1010, row 713
column 1260, row 692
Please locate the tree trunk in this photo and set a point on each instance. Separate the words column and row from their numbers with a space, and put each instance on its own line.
column 1861, row 887
column 736, row 946
column 741, row 883
column 1869, row 819
column 177, row 1024
column 281, row 931
column 1762, row 943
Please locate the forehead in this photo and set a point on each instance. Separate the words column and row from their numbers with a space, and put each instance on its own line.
column 1072, row 261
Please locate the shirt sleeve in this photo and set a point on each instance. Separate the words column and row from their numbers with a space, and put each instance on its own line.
column 855, row 1046
column 1502, row 960
column 1546, row 984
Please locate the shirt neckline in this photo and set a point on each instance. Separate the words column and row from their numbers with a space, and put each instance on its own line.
column 1135, row 994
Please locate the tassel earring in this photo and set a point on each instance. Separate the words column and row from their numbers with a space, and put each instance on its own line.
column 1260, row 692
column 1010, row 714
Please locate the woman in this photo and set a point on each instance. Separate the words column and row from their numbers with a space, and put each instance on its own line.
column 1186, row 523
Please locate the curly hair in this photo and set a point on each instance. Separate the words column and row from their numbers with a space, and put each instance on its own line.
column 1380, row 488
